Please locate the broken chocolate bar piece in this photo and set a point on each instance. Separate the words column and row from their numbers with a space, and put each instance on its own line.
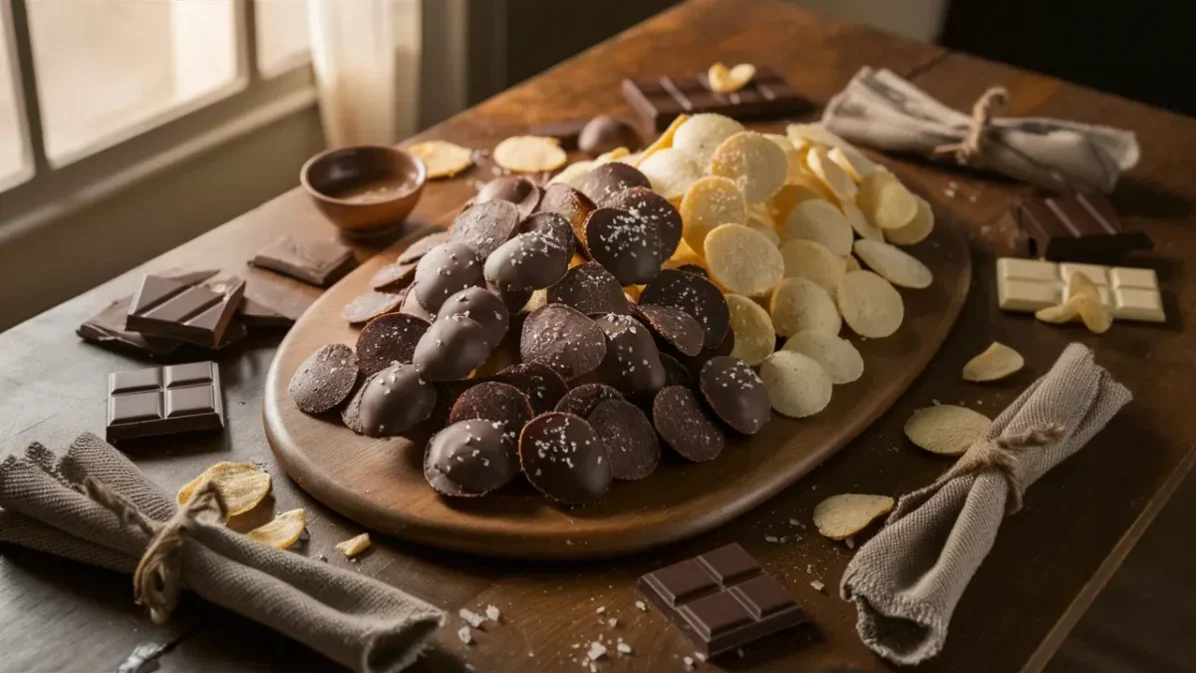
column 194, row 313
column 1075, row 228
column 722, row 599
column 661, row 99
column 320, row 263
column 164, row 401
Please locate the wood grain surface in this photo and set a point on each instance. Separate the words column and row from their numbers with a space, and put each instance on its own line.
column 1048, row 563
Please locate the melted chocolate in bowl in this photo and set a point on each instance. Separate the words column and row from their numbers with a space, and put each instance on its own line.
column 366, row 189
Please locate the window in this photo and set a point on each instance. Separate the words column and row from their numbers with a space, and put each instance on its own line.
column 283, row 39
column 12, row 145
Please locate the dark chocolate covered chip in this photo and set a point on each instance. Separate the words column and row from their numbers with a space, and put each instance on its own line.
column 581, row 400
column 564, row 339
column 605, row 133
column 351, row 412
column 736, row 394
column 389, row 339
column 514, row 298
column 673, row 326
column 446, row 270
column 695, row 363
column 630, row 439
column 451, row 349
column 482, row 306
column 696, row 296
column 681, row 420
column 570, row 203
column 694, row 268
column 543, row 386
column 656, row 211
column 564, row 458
column 515, row 189
column 411, row 306
column 589, row 288
column 470, row 458
column 625, row 244
column 675, row 373
column 632, row 363
column 494, row 401
column 485, row 226
column 552, row 225
column 418, row 249
column 393, row 401
column 394, row 276
column 530, row 261
column 371, row 304
column 325, row 379
column 603, row 182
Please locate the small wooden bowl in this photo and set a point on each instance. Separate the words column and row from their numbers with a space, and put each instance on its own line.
column 365, row 190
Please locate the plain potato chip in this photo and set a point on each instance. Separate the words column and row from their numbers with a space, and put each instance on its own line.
column 530, row 154
column 838, row 357
column 894, row 264
column 442, row 158
column 284, row 531
column 710, row 202
column 946, row 429
column 755, row 338
column 241, row 485
column 702, row 133
column 788, row 196
column 886, row 202
column 856, row 172
column 852, row 263
column 684, row 255
column 665, row 140
column 835, row 179
column 671, row 172
column 811, row 259
column 1062, row 313
column 617, row 154
column 799, row 304
column 797, row 385
column 1092, row 311
column 918, row 228
column 996, row 362
column 759, row 219
column 756, row 164
column 819, row 221
column 743, row 260
column 724, row 80
column 795, row 165
column 842, row 516
column 871, row 306
column 574, row 174
column 817, row 134
column 860, row 224
column 354, row 545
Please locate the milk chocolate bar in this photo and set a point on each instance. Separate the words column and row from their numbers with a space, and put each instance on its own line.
column 659, row 100
column 1075, row 228
column 318, row 262
column 164, row 401
column 189, row 312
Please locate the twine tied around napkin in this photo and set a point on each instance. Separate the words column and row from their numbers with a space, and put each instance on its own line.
column 970, row 150
column 907, row 580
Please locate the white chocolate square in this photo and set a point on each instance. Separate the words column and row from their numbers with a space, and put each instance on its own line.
column 1028, row 285
column 1027, row 269
column 1020, row 295
column 1106, row 296
column 1138, row 304
column 1097, row 274
column 1140, row 278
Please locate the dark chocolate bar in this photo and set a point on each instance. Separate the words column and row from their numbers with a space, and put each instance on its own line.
column 660, row 100
column 320, row 263
column 194, row 313
column 1075, row 228
column 164, row 401
column 722, row 599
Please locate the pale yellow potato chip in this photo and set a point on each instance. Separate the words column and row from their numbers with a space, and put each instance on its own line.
column 817, row 134
column 819, row 221
column 851, row 263
column 996, row 362
column 1062, row 313
column 837, row 356
column 797, row 385
column 241, row 485
column 723, row 80
column 1092, row 311
column 616, row 154
column 886, row 202
column 844, row 159
column 842, row 516
column 710, row 202
column 284, row 531
column 811, row 259
column 794, row 162
column 839, row 182
column 759, row 218
column 859, row 222
column 743, row 260
column 671, row 172
column 893, row 264
column 871, row 306
column 665, row 140
column 632, row 159
column 574, row 174
column 538, row 300
column 946, row 429
column 354, row 545
column 684, row 255
column 632, row 292
column 755, row 338
column 530, row 154
column 754, row 162
column 800, row 304
column 918, row 228
column 702, row 133
column 787, row 197
column 442, row 158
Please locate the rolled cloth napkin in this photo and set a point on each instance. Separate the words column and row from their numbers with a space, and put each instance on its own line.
column 93, row 505
column 881, row 110
column 907, row 580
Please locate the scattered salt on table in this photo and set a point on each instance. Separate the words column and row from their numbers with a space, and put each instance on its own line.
column 818, row 586
column 597, row 651
column 472, row 618
column 493, row 613
column 465, row 635
column 639, row 605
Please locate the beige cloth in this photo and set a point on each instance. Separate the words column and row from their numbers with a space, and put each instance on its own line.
column 356, row 621
column 880, row 109
column 907, row 580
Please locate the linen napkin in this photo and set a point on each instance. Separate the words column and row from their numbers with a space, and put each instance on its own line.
column 907, row 580
column 93, row 505
column 880, row 109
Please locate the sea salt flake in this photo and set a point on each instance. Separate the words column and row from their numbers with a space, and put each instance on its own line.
column 818, row 586
column 472, row 618
column 465, row 635
column 639, row 605
column 597, row 651
column 601, row 609
column 493, row 613
column 623, row 648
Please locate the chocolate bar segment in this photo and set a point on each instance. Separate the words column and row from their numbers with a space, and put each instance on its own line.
column 164, row 400
column 194, row 313
column 661, row 99
column 320, row 263
column 1075, row 228
column 722, row 599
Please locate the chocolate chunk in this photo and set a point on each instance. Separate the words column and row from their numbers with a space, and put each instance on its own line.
column 589, row 288
column 565, row 131
column 320, row 263
column 394, row 401
column 656, row 211
column 632, row 362
column 660, row 100
column 542, row 385
column 482, row 306
column 605, row 133
column 497, row 402
column 564, row 458
column 572, row 205
column 552, row 225
column 530, row 261
column 630, row 440
column 470, row 458
column 682, row 422
column 696, row 296
column 107, row 328
column 389, row 339
column 253, row 313
column 485, row 226
column 164, row 401
column 192, row 313
column 583, row 399
column 515, row 189
column 626, row 245
column 721, row 600
column 564, row 339
column 1076, row 228
column 675, row 373
column 446, row 270
column 394, row 276
column 673, row 326
column 736, row 394
column 451, row 349
column 411, row 306
column 371, row 304
column 603, row 182
column 418, row 249
column 325, row 379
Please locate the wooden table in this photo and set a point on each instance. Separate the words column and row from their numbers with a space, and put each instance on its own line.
column 1048, row 564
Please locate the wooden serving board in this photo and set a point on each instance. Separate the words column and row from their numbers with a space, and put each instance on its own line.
column 380, row 484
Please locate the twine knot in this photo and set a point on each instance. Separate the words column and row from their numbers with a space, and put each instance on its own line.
column 158, row 579
column 971, row 150
column 1002, row 456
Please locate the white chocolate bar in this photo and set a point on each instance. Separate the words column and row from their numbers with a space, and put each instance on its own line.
column 1028, row 285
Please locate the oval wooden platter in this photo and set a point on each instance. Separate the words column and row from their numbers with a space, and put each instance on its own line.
column 379, row 482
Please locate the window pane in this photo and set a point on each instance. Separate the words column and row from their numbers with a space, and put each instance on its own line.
column 282, row 35
column 12, row 144
column 107, row 68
